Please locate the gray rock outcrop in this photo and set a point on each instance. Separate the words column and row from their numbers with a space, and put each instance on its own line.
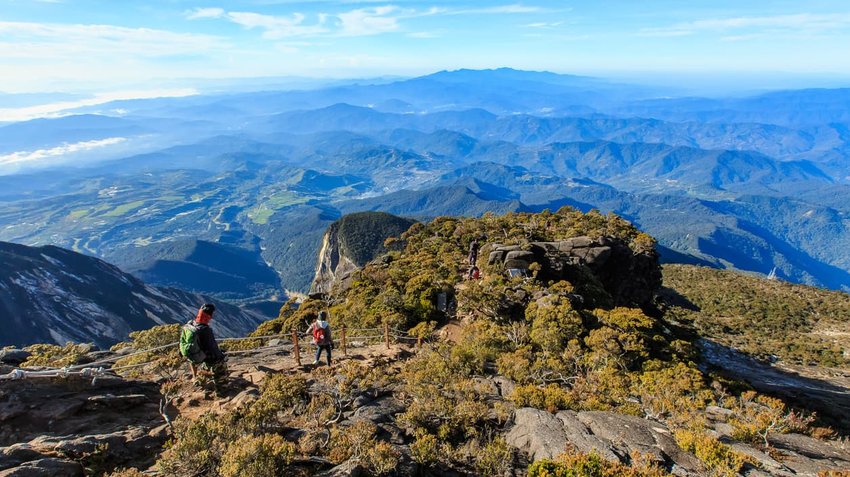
column 630, row 278
column 72, row 417
column 350, row 243
column 613, row 436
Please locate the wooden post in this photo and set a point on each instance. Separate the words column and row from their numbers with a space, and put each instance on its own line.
column 344, row 348
column 296, row 350
column 387, row 334
column 418, row 341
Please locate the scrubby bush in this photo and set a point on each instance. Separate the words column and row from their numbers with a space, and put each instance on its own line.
column 167, row 359
column 260, row 456
column 717, row 457
column 130, row 472
column 197, row 446
column 425, row 449
column 551, row 398
column 765, row 318
column 576, row 464
column 55, row 356
column 757, row 416
column 494, row 459
column 280, row 393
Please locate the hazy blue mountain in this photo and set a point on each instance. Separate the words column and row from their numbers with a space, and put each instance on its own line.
column 801, row 108
column 53, row 295
column 640, row 166
column 747, row 182
column 222, row 270
column 442, row 200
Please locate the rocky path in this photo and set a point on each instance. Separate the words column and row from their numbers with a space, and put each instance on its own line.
column 56, row 426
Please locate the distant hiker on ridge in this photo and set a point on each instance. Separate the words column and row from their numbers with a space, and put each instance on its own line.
column 473, row 252
column 321, row 331
column 198, row 345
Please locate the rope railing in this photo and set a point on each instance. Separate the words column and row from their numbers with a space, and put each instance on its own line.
column 95, row 369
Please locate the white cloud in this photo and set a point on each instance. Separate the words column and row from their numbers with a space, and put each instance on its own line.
column 544, row 25
column 276, row 27
column 60, row 108
column 802, row 22
column 198, row 13
column 501, row 9
column 59, row 151
column 52, row 40
column 365, row 21
column 368, row 21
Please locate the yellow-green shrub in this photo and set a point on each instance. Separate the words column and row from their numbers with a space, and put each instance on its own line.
column 716, row 456
column 576, row 464
column 279, row 393
column 260, row 456
column 551, row 397
column 495, row 459
column 164, row 359
column 197, row 446
column 425, row 450
column 55, row 356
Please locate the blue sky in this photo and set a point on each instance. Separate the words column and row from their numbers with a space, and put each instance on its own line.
column 98, row 45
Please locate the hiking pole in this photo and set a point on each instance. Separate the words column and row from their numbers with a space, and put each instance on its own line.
column 296, row 349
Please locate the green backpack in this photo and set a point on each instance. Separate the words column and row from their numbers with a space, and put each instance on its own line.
column 189, row 347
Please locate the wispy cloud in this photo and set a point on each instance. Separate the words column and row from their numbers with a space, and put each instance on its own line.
column 53, row 40
column 277, row 27
column 60, row 108
column 197, row 13
column 369, row 21
column 59, row 151
column 544, row 25
column 801, row 22
column 500, row 9
column 357, row 22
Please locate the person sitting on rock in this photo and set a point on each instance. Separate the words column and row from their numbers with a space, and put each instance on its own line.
column 199, row 346
column 321, row 331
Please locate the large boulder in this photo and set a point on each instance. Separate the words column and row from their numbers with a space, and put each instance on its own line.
column 613, row 436
column 630, row 278
column 13, row 357
column 47, row 467
column 71, row 417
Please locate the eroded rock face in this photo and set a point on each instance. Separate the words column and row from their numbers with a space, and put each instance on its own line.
column 45, row 418
column 613, row 436
column 46, row 467
column 828, row 395
column 616, row 436
column 350, row 243
column 630, row 278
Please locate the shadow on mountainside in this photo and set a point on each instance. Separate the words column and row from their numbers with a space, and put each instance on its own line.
column 828, row 394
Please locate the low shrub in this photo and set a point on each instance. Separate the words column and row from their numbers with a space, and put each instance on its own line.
column 55, row 356
column 260, row 456
column 717, row 457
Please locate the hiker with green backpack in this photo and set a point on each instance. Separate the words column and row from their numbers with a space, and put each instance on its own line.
column 198, row 345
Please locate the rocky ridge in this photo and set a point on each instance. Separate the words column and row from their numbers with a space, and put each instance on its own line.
column 457, row 392
column 53, row 295
column 350, row 243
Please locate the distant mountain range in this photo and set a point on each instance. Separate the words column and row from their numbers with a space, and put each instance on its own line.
column 231, row 193
column 52, row 295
